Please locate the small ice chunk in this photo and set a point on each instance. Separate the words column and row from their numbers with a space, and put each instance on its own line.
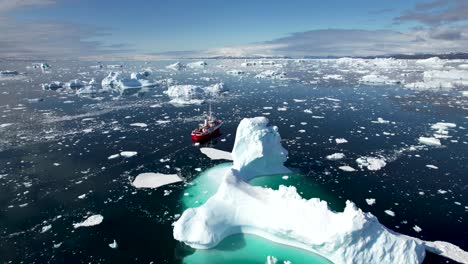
column 381, row 121
column 5, row 125
column 390, row 212
column 430, row 141
column 128, row 154
column 371, row 163
column 271, row 260
column 441, row 191
column 113, row 244
column 285, row 177
column 114, row 156
column 139, row 125
column 340, row 140
column 46, row 228
column 417, row 228
column 346, row 168
column 90, row 221
column 370, row 201
column 335, row 156
column 154, row 180
column 432, row 167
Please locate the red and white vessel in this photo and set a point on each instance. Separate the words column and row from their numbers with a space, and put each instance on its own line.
column 210, row 128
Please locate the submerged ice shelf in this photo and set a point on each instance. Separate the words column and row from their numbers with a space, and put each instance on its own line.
column 283, row 216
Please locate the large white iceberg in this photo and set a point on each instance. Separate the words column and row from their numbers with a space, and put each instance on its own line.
column 257, row 149
column 283, row 216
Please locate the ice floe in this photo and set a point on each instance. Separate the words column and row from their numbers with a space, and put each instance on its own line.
column 340, row 140
column 347, row 168
column 370, row 201
column 128, row 154
column 371, row 163
column 216, row 154
column 90, row 221
column 431, row 141
column 335, row 156
column 154, row 180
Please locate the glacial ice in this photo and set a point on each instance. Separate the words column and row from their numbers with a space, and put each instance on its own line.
column 283, row 216
column 154, row 180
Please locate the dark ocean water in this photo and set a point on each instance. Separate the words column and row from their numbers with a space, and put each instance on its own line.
column 57, row 149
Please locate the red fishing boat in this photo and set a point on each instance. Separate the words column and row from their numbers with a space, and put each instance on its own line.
column 210, row 128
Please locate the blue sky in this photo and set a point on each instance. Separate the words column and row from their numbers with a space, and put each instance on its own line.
column 162, row 28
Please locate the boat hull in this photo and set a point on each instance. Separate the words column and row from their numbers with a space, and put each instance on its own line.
column 206, row 136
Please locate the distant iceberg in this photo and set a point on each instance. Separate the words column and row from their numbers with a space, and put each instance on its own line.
column 52, row 85
column 193, row 94
column 8, row 72
column 136, row 81
column 197, row 64
column 176, row 66
column 271, row 74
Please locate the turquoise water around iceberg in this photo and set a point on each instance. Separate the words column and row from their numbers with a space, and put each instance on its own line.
column 245, row 248
column 250, row 249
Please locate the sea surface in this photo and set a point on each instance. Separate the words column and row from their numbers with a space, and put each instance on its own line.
column 55, row 171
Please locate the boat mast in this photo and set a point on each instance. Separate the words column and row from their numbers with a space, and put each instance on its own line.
column 209, row 112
